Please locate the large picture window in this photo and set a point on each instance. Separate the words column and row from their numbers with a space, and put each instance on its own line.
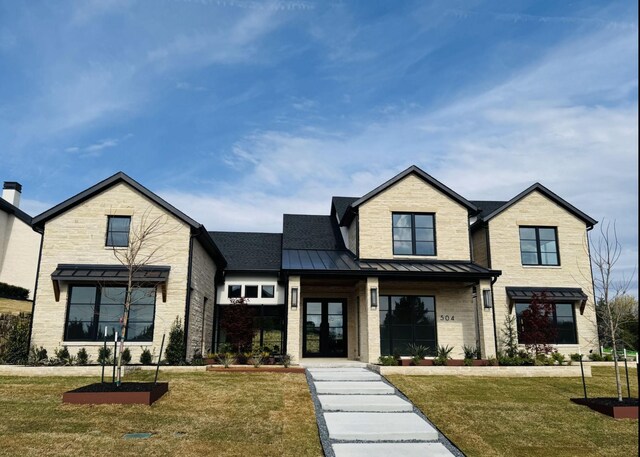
column 414, row 234
column 563, row 320
column 92, row 308
column 268, row 327
column 118, row 231
column 405, row 320
column 539, row 246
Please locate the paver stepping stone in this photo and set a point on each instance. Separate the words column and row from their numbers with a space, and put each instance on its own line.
column 373, row 403
column 390, row 449
column 354, row 387
column 338, row 370
column 379, row 427
column 346, row 376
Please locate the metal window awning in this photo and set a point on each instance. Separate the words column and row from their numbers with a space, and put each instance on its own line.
column 148, row 274
column 554, row 294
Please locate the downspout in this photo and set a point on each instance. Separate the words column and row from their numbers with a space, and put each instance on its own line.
column 187, row 307
column 33, row 303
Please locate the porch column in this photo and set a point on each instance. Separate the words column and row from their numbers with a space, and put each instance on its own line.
column 485, row 311
column 294, row 329
column 372, row 314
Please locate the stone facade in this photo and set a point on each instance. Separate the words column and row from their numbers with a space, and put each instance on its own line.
column 202, row 301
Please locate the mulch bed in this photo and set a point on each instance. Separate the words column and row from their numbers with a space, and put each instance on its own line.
column 626, row 409
column 127, row 393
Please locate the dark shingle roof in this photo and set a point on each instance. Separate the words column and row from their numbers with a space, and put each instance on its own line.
column 487, row 206
column 341, row 204
column 17, row 212
column 310, row 232
column 247, row 251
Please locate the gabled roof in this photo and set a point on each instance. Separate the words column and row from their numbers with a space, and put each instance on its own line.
column 302, row 231
column 487, row 206
column 341, row 205
column 247, row 251
column 15, row 211
column 197, row 229
column 547, row 193
column 420, row 174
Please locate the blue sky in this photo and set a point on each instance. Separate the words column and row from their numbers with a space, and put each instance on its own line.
column 239, row 111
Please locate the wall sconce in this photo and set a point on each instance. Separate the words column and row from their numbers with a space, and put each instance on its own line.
column 294, row 298
column 374, row 298
column 486, row 298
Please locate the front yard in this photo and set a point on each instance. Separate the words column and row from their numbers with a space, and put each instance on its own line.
column 524, row 416
column 222, row 414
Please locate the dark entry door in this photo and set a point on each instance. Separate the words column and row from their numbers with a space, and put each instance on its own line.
column 325, row 328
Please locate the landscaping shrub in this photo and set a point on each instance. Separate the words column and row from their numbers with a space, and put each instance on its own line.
column 575, row 357
column 510, row 336
column 145, row 357
column 442, row 355
column 126, row 356
column 13, row 292
column 62, row 356
column 104, row 355
column 537, row 321
column 197, row 358
column 238, row 324
column 227, row 359
column 595, row 357
column 82, row 358
column 418, row 352
column 257, row 359
column 560, row 358
column 492, row 361
column 175, row 352
column 286, row 360
column 14, row 347
column 38, row 356
column 387, row 360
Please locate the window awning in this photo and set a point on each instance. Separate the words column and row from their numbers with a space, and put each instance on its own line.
column 156, row 275
column 554, row 294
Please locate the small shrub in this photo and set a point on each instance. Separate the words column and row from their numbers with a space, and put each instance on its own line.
column 227, row 359
column 387, row 360
column 558, row 357
column 595, row 357
column 607, row 358
column 257, row 359
column 286, row 360
column 83, row 357
column 14, row 348
column 468, row 362
column 418, row 352
column 126, row 356
column 492, row 361
column 575, row 357
column 469, row 352
column 38, row 356
column 104, row 355
column 145, row 357
column 175, row 351
column 63, row 356
column 197, row 358
column 442, row 355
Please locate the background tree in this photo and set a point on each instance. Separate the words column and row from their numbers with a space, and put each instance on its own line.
column 538, row 332
column 237, row 323
column 611, row 290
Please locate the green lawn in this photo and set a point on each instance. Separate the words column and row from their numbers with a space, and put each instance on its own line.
column 222, row 414
column 523, row 416
column 8, row 306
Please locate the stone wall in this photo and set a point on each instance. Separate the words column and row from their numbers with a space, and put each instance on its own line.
column 19, row 250
column 200, row 331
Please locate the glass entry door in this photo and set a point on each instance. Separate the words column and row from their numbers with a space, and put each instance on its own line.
column 325, row 326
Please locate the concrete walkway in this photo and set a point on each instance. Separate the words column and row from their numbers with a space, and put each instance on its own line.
column 360, row 414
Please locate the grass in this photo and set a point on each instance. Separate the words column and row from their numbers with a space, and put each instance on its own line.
column 524, row 416
column 8, row 306
column 222, row 414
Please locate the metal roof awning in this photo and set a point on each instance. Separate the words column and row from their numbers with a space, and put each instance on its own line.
column 314, row 261
column 156, row 275
column 554, row 294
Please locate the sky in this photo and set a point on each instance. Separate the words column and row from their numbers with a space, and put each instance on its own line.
column 239, row 111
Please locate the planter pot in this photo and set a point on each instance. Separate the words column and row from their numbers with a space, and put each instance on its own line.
column 404, row 362
column 627, row 409
column 129, row 393
column 426, row 363
column 262, row 369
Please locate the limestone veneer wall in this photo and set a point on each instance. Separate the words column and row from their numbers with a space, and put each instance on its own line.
column 574, row 270
column 202, row 300
column 412, row 194
column 19, row 250
column 78, row 237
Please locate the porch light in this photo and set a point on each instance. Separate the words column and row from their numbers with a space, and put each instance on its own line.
column 486, row 298
column 294, row 298
column 374, row 298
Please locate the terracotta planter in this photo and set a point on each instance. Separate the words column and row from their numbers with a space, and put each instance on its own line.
column 426, row 363
column 455, row 363
column 479, row 363
column 628, row 409
column 129, row 393
column 404, row 362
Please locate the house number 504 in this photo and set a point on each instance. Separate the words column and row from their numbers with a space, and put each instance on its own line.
column 446, row 317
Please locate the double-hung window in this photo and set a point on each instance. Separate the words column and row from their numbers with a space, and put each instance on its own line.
column 414, row 234
column 539, row 246
column 118, row 231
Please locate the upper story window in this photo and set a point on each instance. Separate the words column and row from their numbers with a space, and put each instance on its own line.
column 234, row 291
column 414, row 234
column 118, row 231
column 267, row 292
column 251, row 291
column 539, row 246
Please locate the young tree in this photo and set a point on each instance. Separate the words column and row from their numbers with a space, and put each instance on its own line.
column 538, row 333
column 509, row 338
column 143, row 249
column 237, row 322
column 610, row 292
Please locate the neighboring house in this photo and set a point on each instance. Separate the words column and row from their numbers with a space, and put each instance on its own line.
column 19, row 244
column 81, row 284
column 411, row 262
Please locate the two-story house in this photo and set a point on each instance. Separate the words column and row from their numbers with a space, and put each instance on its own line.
column 411, row 262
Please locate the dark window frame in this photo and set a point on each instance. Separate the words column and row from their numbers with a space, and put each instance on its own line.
column 538, row 246
column 246, row 293
column 109, row 231
column 260, row 316
column 229, row 295
column 413, row 233
column 97, row 335
column 273, row 291
column 555, row 320
column 413, row 325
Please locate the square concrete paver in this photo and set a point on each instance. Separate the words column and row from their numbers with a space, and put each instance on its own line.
column 390, row 449
column 345, row 376
column 361, row 403
column 379, row 427
column 354, row 387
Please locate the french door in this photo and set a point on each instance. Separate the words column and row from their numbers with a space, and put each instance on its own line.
column 325, row 328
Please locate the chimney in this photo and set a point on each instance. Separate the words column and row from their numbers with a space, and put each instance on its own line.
column 11, row 192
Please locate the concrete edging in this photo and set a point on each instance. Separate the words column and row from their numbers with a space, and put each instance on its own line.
column 499, row 372
column 90, row 370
